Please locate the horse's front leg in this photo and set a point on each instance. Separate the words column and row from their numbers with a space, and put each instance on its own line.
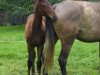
column 31, row 59
column 39, row 61
column 66, row 47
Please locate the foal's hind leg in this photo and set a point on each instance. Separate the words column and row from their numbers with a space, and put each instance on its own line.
column 39, row 61
column 66, row 47
column 31, row 59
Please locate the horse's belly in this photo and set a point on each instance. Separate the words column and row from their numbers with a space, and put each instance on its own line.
column 88, row 36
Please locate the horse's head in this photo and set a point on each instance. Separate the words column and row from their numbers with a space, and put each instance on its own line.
column 44, row 8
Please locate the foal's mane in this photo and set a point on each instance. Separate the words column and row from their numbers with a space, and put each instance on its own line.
column 41, row 2
column 37, row 21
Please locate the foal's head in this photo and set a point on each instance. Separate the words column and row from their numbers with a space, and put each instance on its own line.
column 44, row 8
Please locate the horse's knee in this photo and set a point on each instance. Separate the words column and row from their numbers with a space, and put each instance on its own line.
column 62, row 62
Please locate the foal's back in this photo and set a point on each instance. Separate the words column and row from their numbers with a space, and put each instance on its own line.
column 79, row 17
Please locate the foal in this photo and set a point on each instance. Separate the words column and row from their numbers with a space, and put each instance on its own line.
column 35, row 33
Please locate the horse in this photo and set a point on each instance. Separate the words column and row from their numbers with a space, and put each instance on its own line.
column 35, row 33
column 75, row 20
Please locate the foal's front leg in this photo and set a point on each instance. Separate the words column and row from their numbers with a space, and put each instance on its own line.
column 31, row 59
column 39, row 61
column 66, row 47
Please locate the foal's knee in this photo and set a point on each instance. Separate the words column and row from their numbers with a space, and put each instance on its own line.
column 29, row 63
column 39, row 65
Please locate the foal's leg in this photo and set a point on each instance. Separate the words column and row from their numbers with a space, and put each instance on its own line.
column 31, row 59
column 39, row 61
column 66, row 47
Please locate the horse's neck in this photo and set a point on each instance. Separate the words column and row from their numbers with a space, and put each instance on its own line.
column 37, row 22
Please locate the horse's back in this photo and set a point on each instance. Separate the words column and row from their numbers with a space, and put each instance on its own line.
column 70, row 9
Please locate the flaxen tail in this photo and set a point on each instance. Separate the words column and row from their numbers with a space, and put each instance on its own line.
column 49, row 45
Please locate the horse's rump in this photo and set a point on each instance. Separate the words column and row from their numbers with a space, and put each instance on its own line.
column 81, row 16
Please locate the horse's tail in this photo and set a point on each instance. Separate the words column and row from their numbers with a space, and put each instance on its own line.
column 49, row 45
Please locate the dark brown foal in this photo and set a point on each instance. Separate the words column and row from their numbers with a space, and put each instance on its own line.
column 35, row 33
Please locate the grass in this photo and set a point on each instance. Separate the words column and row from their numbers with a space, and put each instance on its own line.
column 83, row 59
column 12, row 33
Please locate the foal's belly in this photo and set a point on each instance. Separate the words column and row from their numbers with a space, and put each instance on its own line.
column 38, row 39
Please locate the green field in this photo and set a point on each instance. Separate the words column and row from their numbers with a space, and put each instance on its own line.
column 83, row 59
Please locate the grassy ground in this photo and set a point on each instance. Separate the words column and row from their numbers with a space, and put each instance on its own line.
column 83, row 59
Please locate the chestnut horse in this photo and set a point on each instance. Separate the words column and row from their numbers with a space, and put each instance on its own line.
column 75, row 20
column 35, row 33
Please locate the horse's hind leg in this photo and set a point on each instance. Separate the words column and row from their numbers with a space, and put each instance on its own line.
column 39, row 61
column 31, row 59
column 66, row 47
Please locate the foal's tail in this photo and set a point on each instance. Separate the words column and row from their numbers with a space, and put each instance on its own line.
column 49, row 45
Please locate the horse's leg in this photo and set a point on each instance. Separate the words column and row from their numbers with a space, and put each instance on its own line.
column 31, row 59
column 39, row 61
column 66, row 47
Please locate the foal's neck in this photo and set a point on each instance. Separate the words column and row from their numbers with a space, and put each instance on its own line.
column 37, row 22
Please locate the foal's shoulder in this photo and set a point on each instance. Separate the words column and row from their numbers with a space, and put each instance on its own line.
column 30, row 16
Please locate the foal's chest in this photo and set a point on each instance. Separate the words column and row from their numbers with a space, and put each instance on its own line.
column 38, row 38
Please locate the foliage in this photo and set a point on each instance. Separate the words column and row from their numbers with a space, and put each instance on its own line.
column 21, row 6
column 16, row 6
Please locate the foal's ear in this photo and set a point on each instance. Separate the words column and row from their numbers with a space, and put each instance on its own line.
column 34, row 3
